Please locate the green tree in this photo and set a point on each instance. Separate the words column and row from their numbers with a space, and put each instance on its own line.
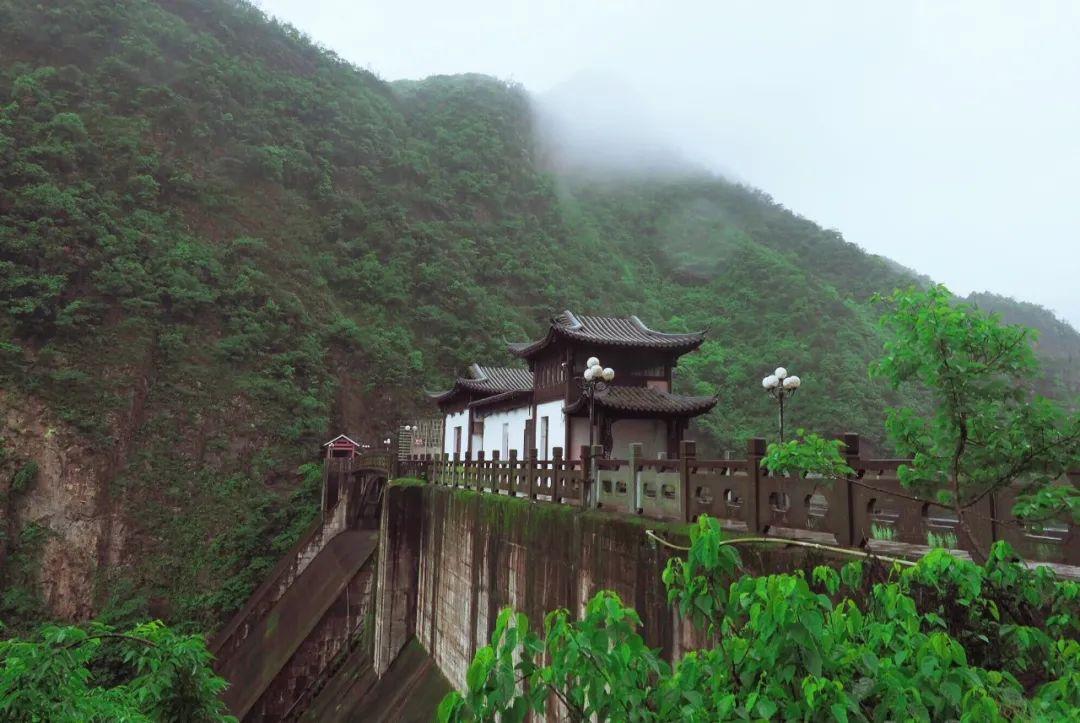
column 943, row 639
column 987, row 429
column 63, row 674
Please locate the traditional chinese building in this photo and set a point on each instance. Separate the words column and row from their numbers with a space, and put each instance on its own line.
column 541, row 405
column 341, row 447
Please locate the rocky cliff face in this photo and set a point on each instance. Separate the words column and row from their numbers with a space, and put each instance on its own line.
column 59, row 521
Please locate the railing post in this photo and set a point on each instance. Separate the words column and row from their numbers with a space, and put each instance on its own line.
column 846, row 534
column 512, row 472
column 480, row 470
column 635, row 479
column 596, row 453
column 469, row 470
column 531, row 472
column 585, row 455
column 558, row 474
column 496, row 470
column 687, row 454
column 457, row 466
column 755, row 450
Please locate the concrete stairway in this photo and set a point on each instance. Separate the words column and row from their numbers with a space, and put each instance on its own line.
column 274, row 639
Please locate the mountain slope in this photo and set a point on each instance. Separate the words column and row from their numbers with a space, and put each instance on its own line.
column 219, row 243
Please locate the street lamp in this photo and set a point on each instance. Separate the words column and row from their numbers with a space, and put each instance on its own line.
column 781, row 387
column 593, row 381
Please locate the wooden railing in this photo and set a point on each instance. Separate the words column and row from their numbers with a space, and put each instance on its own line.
column 870, row 509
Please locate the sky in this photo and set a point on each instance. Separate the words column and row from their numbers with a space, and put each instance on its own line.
column 940, row 134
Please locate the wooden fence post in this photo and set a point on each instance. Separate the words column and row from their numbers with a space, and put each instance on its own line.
column 531, row 472
column 585, row 454
column 481, row 470
column 755, row 450
column 558, row 474
column 496, row 470
column 687, row 455
column 512, row 472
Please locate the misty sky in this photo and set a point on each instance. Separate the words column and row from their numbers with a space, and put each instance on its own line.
column 940, row 134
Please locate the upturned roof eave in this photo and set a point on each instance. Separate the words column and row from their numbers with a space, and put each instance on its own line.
column 698, row 406
column 682, row 342
column 499, row 398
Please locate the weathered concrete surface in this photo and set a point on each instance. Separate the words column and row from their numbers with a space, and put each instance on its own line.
column 399, row 562
column 302, row 617
column 410, row 690
column 478, row 553
column 318, row 535
column 291, row 688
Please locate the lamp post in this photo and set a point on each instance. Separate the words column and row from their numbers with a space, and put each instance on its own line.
column 781, row 386
column 595, row 380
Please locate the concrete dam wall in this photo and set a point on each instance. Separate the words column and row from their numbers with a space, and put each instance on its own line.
column 451, row 559
column 401, row 612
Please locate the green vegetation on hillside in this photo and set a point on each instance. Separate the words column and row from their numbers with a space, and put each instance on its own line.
column 219, row 243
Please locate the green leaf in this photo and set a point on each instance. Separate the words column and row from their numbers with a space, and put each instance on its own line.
column 480, row 668
column 449, row 707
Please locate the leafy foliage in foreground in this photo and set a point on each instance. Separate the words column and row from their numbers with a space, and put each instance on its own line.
column 944, row 639
column 218, row 241
column 97, row 675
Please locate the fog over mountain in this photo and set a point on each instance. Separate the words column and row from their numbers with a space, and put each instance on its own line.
column 940, row 135
column 595, row 124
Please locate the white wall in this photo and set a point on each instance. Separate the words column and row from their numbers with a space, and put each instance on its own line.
column 651, row 433
column 493, row 431
column 459, row 419
column 579, row 436
column 556, row 427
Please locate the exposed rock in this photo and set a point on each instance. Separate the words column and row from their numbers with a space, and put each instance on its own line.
column 64, row 498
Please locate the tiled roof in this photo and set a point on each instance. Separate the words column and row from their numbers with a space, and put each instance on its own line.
column 627, row 331
column 503, row 378
column 643, row 400
column 489, row 381
column 513, row 395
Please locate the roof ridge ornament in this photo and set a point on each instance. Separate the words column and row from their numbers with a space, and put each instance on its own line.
column 634, row 319
column 575, row 323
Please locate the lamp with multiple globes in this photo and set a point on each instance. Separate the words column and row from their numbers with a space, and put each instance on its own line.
column 782, row 386
column 595, row 380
